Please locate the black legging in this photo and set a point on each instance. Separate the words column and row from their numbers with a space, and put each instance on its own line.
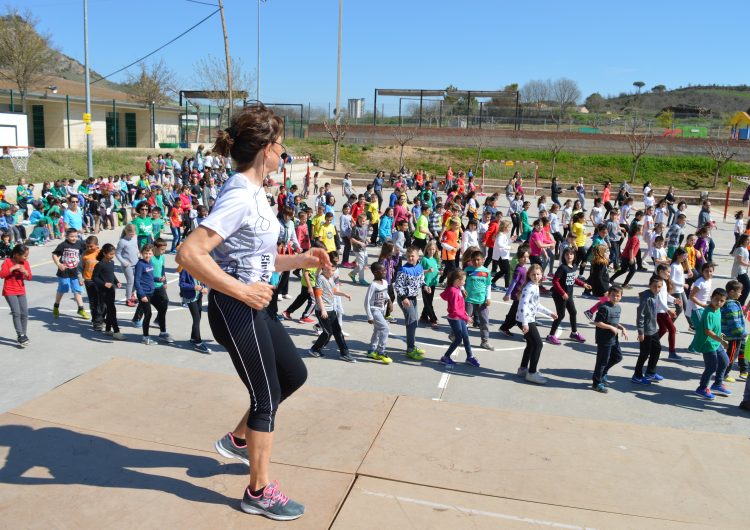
column 581, row 253
column 302, row 297
column 264, row 356
column 107, row 309
column 375, row 231
column 160, row 301
column 196, row 309
column 347, row 250
column 515, row 224
column 533, row 349
column 560, row 307
column 428, row 312
column 745, row 281
column 449, row 266
column 144, row 311
column 625, row 266
column 510, row 318
column 503, row 271
column 283, row 287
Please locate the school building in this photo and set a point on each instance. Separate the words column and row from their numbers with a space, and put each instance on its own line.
column 55, row 117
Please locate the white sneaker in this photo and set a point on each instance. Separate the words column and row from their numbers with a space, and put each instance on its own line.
column 536, row 378
column 344, row 333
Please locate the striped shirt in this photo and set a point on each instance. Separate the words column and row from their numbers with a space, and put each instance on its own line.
column 732, row 320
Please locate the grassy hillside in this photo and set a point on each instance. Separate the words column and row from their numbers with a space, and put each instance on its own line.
column 722, row 100
column 684, row 172
column 51, row 164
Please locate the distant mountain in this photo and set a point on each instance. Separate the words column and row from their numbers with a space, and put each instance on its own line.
column 70, row 69
column 721, row 100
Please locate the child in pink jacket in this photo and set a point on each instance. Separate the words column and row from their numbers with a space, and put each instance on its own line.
column 457, row 318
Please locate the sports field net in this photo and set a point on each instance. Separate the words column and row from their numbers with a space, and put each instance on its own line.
column 499, row 172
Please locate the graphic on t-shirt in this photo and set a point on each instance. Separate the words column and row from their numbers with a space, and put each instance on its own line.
column 70, row 258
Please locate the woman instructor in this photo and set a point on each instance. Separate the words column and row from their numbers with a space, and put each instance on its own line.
column 234, row 253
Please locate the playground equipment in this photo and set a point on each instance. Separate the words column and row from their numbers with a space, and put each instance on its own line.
column 740, row 124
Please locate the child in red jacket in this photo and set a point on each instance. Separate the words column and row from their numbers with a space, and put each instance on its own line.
column 15, row 270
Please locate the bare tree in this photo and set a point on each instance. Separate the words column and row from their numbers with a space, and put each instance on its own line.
column 480, row 141
column 337, row 132
column 721, row 153
column 211, row 75
column 639, row 144
column 555, row 146
column 403, row 137
column 536, row 92
column 26, row 56
column 565, row 93
column 155, row 84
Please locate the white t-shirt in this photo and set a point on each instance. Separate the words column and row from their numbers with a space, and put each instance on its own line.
column 658, row 254
column 737, row 269
column 502, row 247
column 246, row 222
column 678, row 278
column 597, row 215
column 739, row 226
column 704, row 294
column 648, row 201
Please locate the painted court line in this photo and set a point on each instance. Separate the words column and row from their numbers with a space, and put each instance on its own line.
column 472, row 511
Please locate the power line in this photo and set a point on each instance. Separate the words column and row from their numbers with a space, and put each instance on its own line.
column 157, row 49
column 204, row 3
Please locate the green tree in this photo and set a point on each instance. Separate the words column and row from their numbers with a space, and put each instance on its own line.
column 665, row 119
column 639, row 85
column 595, row 102
column 659, row 89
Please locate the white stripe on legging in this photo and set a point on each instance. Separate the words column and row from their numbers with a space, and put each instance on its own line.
column 262, row 364
column 223, row 316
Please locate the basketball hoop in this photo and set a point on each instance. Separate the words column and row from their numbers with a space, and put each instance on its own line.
column 19, row 156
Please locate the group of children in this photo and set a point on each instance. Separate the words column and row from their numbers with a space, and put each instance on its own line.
column 428, row 242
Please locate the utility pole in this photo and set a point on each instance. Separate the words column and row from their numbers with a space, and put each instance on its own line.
column 87, row 81
column 228, row 61
column 257, row 71
column 338, row 68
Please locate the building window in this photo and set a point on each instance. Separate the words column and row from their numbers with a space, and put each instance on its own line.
column 37, row 124
column 131, row 136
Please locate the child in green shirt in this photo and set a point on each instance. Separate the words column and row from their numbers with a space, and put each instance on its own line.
column 711, row 343
column 478, row 292
column 431, row 268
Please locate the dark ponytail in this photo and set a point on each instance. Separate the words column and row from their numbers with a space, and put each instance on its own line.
column 251, row 130
column 106, row 249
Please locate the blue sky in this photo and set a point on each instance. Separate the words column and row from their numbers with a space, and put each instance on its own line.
column 480, row 45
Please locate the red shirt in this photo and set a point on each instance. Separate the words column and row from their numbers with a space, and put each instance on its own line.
column 13, row 285
column 631, row 247
column 357, row 210
column 303, row 237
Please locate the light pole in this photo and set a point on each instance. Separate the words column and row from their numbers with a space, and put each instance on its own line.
column 338, row 68
column 87, row 81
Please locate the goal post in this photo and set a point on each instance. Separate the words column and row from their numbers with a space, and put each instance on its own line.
column 499, row 172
